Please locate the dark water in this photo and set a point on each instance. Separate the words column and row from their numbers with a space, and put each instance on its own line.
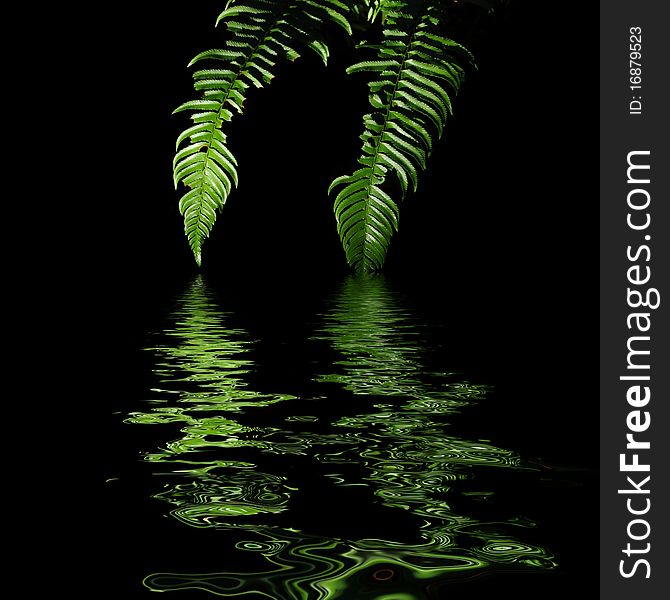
column 332, row 452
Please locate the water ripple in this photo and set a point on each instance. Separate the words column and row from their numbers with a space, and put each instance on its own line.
column 399, row 441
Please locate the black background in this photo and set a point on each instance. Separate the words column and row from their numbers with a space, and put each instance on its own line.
column 502, row 233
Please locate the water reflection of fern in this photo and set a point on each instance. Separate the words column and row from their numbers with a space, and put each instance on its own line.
column 399, row 437
column 381, row 347
column 200, row 365
column 412, row 462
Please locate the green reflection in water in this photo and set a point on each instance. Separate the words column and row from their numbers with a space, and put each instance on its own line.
column 400, row 438
column 199, row 364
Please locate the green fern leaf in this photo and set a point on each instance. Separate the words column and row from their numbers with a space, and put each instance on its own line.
column 261, row 32
column 413, row 77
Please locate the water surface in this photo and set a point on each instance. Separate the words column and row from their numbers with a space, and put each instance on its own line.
column 343, row 475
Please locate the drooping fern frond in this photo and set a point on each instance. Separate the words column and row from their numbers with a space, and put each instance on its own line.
column 414, row 75
column 261, row 33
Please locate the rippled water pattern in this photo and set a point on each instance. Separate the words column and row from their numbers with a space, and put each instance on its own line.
column 397, row 443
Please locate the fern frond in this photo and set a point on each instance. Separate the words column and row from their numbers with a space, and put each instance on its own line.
column 414, row 75
column 261, row 33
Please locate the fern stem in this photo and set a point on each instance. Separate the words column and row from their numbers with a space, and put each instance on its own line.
column 262, row 38
column 386, row 121
column 248, row 61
